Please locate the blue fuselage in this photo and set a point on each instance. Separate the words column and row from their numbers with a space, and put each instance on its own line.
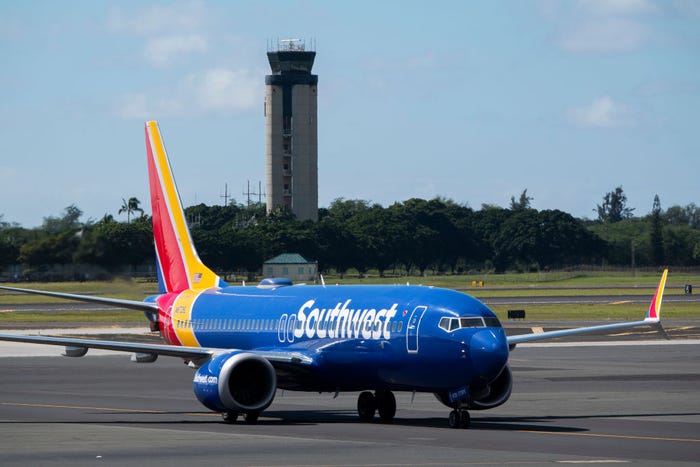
column 358, row 337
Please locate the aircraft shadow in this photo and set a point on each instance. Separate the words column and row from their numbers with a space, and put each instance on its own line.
column 319, row 417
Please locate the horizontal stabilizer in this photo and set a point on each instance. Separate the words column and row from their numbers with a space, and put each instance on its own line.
column 113, row 302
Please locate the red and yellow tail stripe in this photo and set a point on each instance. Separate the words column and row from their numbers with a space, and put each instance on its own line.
column 182, row 317
column 177, row 258
column 654, row 313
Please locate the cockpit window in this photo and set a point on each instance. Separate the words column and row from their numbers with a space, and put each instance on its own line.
column 471, row 323
column 444, row 324
column 452, row 324
column 492, row 322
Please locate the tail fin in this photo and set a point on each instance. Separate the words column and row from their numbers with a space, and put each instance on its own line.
column 179, row 265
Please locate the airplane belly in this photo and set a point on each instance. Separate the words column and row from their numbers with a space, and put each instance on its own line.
column 359, row 365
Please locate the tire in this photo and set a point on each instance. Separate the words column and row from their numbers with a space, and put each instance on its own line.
column 229, row 417
column 386, row 405
column 465, row 419
column 454, row 419
column 366, row 406
column 251, row 418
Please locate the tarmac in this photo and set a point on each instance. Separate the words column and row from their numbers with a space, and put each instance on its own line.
column 606, row 403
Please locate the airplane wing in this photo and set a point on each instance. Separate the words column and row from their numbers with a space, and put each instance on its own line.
column 653, row 318
column 78, row 347
column 115, row 302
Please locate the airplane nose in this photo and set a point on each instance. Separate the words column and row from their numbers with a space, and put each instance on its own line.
column 489, row 353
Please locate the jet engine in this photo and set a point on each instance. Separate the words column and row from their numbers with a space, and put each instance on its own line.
column 487, row 397
column 236, row 382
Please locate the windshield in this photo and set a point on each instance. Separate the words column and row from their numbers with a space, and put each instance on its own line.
column 452, row 324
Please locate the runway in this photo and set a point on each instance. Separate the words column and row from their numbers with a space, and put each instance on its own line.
column 592, row 404
column 583, row 299
column 523, row 300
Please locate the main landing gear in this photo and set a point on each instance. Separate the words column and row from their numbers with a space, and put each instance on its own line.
column 459, row 419
column 383, row 402
column 251, row 418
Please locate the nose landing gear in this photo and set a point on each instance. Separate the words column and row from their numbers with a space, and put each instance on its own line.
column 383, row 402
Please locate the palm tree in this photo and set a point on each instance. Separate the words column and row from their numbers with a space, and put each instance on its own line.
column 130, row 207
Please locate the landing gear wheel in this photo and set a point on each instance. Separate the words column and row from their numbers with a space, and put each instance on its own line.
column 366, row 406
column 454, row 419
column 229, row 417
column 251, row 418
column 465, row 419
column 459, row 419
column 386, row 405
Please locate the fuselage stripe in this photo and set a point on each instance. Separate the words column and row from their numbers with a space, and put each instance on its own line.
column 182, row 317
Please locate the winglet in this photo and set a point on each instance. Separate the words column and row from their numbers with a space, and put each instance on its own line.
column 654, row 313
column 179, row 264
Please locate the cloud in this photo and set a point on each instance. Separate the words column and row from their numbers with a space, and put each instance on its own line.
column 168, row 32
column 156, row 19
column 604, row 35
column 161, row 51
column 617, row 7
column 222, row 90
column 603, row 112
column 217, row 91
column 602, row 26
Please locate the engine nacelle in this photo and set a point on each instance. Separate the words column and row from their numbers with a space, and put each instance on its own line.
column 236, row 382
column 496, row 393
column 488, row 397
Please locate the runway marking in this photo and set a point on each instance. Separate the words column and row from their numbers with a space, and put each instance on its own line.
column 79, row 407
column 104, row 409
column 425, row 464
column 599, row 461
column 603, row 435
column 611, row 343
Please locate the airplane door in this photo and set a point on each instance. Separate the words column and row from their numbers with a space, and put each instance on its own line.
column 282, row 328
column 412, row 329
column 291, row 324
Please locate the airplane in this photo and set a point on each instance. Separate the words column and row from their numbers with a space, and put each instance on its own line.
column 246, row 342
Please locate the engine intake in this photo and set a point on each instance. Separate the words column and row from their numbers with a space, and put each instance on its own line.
column 486, row 397
column 236, row 382
column 496, row 393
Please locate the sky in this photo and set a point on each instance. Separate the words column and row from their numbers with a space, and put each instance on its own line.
column 474, row 101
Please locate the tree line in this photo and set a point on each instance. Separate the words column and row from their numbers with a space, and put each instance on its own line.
column 413, row 236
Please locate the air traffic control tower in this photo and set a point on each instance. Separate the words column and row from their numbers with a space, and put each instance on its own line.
column 290, row 130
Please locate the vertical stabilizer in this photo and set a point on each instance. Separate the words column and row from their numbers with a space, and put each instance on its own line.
column 179, row 264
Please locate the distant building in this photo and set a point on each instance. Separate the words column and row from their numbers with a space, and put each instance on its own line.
column 292, row 266
column 291, row 141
